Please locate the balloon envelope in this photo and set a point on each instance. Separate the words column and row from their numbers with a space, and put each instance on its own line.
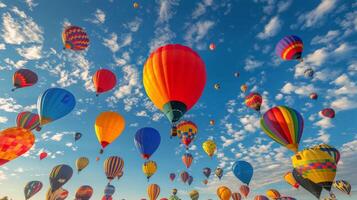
column 147, row 140
column 113, row 166
column 104, row 80
column 108, row 126
column 24, row 78
column 75, row 38
column 290, row 48
column 84, row 192
column 343, row 186
column 31, row 188
column 59, row 176
column 153, row 191
column 224, row 193
column 209, row 146
column 82, row 163
column 243, row 171
column 28, row 120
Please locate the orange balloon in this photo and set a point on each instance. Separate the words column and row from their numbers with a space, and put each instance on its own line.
column 224, row 193
column 108, row 126
column 14, row 142
column 153, row 191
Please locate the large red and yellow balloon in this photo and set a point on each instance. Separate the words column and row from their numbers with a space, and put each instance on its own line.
column 254, row 101
column 174, row 77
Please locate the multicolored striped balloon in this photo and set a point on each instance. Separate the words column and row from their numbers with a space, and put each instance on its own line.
column 273, row 194
column 343, row 186
column 254, row 100
column 32, row 188
column 153, row 191
column 28, row 120
column 24, row 78
column 236, row 196
column 260, row 197
column 244, row 190
column 187, row 159
column 113, row 166
column 334, row 153
column 284, row 125
column 75, row 38
column 290, row 48
column 84, row 192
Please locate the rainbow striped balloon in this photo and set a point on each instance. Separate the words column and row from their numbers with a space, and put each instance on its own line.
column 28, row 120
column 284, row 125
column 290, row 48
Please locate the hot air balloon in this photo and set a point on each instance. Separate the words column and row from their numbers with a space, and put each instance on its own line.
column 59, row 176
column 120, row 175
column 24, row 78
column 187, row 159
column 190, row 180
column 59, row 194
column 224, row 193
column 184, row 176
column 260, row 197
column 316, row 165
column 236, row 74
column 209, row 146
column 14, row 142
column 206, row 171
column 163, row 73
column 194, row 195
column 273, row 194
column 211, row 122
column 244, row 190
column 153, row 191
column 147, row 140
column 136, row 5
column 289, row 178
column 43, row 155
column 31, row 188
column 332, row 151
column 54, row 104
column 290, row 48
column 212, row 46
column 186, row 130
column 217, row 86
column 108, row 126
column 284, row 125
column 343, row 186
column 243, row 88
column 254, row 100
column 77, row 136
column 109, row 190
column 97, row 159
column 236, row 196
column 313, row 96
column 172, row 176
column 82, row 163
column 104, row 80
column 243, row 171
column 309, row 73
column 28, row 120
column 149, row 168
column 84, row 192
column 307, row 184
column 75, row 38
column 113, row 166
column 205, row 181
column 219, row 172
column 107, row 198
column 328, row 112
column 286, row 198
column 173, row 131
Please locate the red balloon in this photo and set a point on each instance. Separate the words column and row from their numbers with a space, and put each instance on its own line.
column 104, row 80
column 43, row 155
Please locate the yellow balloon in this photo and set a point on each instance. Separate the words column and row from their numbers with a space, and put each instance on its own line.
column 224, row 193
column 273, row 194
column 136, row 5
column 209, row 147
column 244, row 88
column 108, row 126
column 82, row 163
column 149, row 168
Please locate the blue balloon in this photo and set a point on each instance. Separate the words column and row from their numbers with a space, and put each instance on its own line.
column 243, row 171
column 147, row 140
column 54, row 103
column 109, row 190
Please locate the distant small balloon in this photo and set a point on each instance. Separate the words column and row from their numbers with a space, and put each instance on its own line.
column 217, row 86
column 212, row 46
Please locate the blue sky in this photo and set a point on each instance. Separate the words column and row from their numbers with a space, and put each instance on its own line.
column 245, row 33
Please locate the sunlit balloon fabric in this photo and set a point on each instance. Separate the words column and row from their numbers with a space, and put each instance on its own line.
column 43, row 155
column 187, row 159
column 236, row 196
column 163, row 73
column 104, row 80
column 31, row 188
column 59, row 176
column 273, row 194
column 307, row 184
column 28, row 120
column 243, row 171
column 82, row 163
column 315, row 165
column 153, row 191
column 290, row 48
column 184, row 176
column 194, row 195
column 54, row 103
column 113, row 166
column 289, row 178
column 332, row 151
column 244, row 190
column 59, row 194
column 254, row 101
column 284, row 125
column 24, row 78
column 224, row 193
column 108, row 126
column 14, row 142
column 147, row 140
column 343, row 186
column 260, row 197
column 75, row 38
column 149, row 168
column 84, row 192
column 209, row 146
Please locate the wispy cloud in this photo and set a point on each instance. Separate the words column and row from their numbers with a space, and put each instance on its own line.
column 270, row 29
column 317, row 15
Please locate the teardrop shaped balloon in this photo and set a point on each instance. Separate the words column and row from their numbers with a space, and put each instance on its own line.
column 163, row 73
column 290, row 48
column 108, row 126
column 172, row 176
column 187, row 159
column 343, row 186
column 224, row 193
column 284, row 125
column 313, row 95
column 109, row 190
column 186, row 131
column 54, row 104
column 254, row 101
column 190, row 180
column 149, row 168
column 81, row 163
column 153, row 191
column 43, row 155
column 236, row 196
column 328, row 112
column 28, row 120
column 219, row 172
column 77, row 136
column 212, row 46
column 59, row 176
column 194, row 195
column 184, row 176
column 209, row 146
column 32, row 188
column 75, row 38
column 206, row 171
column 59, row 194
column 24, row 78
column 104, row 80
column 147, row 140
column 84, row 192
column 244, row 190
column 113, row 166
column 14, row 142
column 243, row 171
column 273, row 194
column 289, row 178
column 309, row 73
column 205, row 182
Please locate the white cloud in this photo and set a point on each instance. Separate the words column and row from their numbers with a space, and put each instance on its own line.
column 302, row 90
column 57, row 137
column 134, row 25
column 30, row 53
column 316, row 15
column 2, row 5
column 3, row 119
column 9, row 105
column 197, row 32
column 344, row 103
column 271, row 29
column 112, row 42
column 284, row 5
column 166, row 9
column 2, row 46
column 251, row 64
column 324, row 123
column 250, row 123
column 31, row 4
column 325, row 39
column 99, row 17
column 201, row 8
